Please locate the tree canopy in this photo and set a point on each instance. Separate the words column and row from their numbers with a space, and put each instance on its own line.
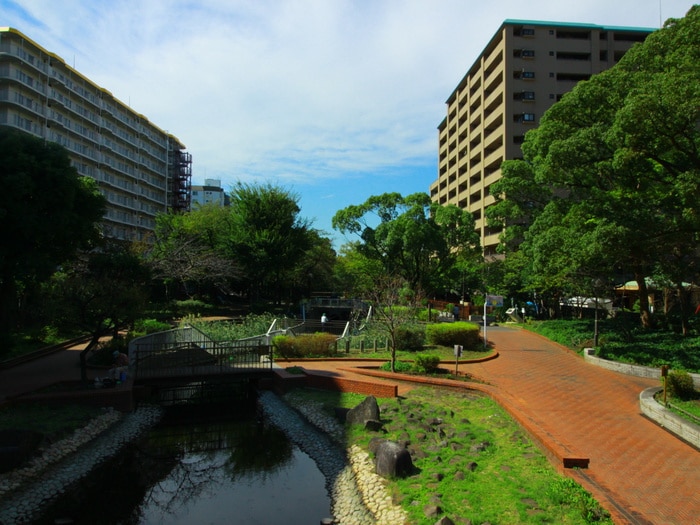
column 258, row 245
column 47, row 213
column 426, row 244
column 610, row 177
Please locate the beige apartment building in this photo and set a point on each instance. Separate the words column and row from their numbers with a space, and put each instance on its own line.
column 525, row 68
column 140, row 169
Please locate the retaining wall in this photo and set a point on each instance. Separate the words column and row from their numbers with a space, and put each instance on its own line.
column 672, row 422
column 629, row 369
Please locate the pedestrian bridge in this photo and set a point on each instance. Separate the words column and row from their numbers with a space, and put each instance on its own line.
column 186, row 352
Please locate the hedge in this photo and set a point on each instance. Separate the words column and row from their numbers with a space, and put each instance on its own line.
column 450, row 334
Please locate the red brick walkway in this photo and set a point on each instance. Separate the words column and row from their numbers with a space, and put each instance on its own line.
column 638, row 471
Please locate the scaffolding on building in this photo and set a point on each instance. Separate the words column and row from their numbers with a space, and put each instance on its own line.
column 180, row 176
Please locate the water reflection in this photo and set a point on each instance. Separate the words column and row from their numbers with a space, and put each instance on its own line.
column 203, row 470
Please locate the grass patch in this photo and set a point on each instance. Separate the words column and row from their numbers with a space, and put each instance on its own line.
column 624, row 341
column 477, row 464
column 686, row 408
column 53, row 422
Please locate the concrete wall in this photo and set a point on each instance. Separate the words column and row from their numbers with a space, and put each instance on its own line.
column 629, row 369
column 672, row 422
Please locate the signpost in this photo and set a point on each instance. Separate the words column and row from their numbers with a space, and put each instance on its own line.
column 458, row 354
column 493, row 301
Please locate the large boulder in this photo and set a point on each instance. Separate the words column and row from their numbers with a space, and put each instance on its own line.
column 393, row 461
column 368, row 410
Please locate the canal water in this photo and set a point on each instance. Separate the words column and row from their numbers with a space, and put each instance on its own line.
column 201, row 465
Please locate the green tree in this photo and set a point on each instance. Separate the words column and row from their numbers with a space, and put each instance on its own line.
column 189, row 250
column 104, row 290
column 394, row 305
column 315, row 270
column 267, row 236
column 413, row 238
column 47, row 213
column 619, row 158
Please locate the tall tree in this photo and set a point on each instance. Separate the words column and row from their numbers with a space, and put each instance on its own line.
column 189, row 250
column 619, row 155
column 412, row 237
column 267, row 236
column 106, row 289
column 394, row 305
column 47, row 213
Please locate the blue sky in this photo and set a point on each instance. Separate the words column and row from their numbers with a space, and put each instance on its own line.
column 335, row 100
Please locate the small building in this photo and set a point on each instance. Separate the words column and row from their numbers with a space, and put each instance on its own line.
column 211, row 193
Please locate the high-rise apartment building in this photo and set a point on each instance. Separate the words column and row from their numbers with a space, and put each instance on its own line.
column 525, row 68
column 140, row 169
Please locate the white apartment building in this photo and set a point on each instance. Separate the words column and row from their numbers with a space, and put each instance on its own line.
column 140, row 169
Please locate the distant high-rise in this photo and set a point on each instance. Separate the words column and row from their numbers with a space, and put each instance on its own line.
column 525, row 68
column 209, row 194
column 140, row 169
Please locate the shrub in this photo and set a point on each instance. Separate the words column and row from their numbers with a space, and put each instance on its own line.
column 679, row 384
column 50, row 335
column 306, row 345
column 411, row 338
column 190, row 307
column 426, row 364
column 450, row 334
column 150, row 326
column 399, row 366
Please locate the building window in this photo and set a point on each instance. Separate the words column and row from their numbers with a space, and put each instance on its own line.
column 518, row 139
column 524, row 75
column 523, row 31
column 524, row 95
column 524, row 117
column 524, row 53
column 564, row 55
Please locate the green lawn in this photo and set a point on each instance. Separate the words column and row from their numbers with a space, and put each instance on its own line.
column 476, row 463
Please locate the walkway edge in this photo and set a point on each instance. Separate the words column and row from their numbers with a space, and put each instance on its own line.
column 665, row 418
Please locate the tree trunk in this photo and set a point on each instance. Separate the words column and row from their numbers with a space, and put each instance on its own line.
column 644, row 312
column 683, row 303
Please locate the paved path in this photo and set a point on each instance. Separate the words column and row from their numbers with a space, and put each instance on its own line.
column 647, row 475
column 641, row 473
column 53, row 368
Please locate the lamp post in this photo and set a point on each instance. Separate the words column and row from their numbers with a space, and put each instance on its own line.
column 597, row 285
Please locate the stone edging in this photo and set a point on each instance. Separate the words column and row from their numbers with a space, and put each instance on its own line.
column 627, row 368
column 665, row 418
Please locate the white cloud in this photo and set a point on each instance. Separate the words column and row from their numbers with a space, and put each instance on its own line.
column 296, row 91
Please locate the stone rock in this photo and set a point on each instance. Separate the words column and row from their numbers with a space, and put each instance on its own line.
column 393, row 460
column 444, row 521
column 374, row 443
column 432, row 511
column 341, row 413
column 373, row 425
column 472, row 465
column 480, row 447
column 366, row 410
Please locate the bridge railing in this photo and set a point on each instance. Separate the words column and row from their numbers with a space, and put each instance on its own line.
column 189, row 351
